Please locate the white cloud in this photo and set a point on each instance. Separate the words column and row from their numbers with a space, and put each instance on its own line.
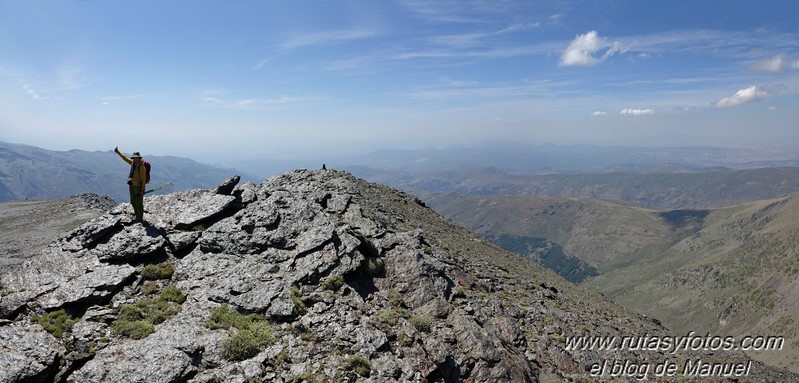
column 637, row 112
column 774, row 64
column 743, row 96
column 772, row 108
column 795, row 64
column 598, row 113
column 582, row 50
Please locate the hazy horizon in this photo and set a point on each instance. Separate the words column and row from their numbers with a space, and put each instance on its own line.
column 226, row 82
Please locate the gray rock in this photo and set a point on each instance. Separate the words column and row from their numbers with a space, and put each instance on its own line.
column 227, row 186
column 186, row 209
column 184, row 239
column 132, row 242
column 27, row 353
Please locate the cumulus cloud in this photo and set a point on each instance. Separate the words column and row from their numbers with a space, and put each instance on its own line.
column 598, row 113
column 743, row 96
column 583, row 50
column 637, row 112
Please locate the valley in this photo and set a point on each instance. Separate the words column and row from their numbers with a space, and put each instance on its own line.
column 726, row 271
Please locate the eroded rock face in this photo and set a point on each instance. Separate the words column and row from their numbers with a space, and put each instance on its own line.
column 358, row 283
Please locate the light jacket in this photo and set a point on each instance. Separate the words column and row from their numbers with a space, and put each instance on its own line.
column 139, row 173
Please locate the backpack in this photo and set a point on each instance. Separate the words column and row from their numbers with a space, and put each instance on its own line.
column 146, row 168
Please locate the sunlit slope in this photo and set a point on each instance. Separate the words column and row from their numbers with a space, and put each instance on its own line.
column 738, row 275
column 604, row 234
column 730, row 271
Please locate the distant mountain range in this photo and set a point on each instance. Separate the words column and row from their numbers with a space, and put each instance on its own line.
column 520, row 158
column 706, row 189
column 28, row 172
column 727, row 271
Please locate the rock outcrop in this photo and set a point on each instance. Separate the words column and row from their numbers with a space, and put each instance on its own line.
column 309, row 276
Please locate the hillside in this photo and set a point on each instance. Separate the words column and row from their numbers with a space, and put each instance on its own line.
column 26, row 227
column 656, row 189
column 316, row 277
column 28, row 172
column 724, row 271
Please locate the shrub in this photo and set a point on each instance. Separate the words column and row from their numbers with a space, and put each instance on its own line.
column 56, row 322
column 299, row 305
column 333, row 283
column 138, row 320
column 360, row 365
column 420, row 322
column 223, row 317
column 162, row 270
column 137, row 329
column 283, row 358
column 388, row 317
column 253, row 332
column 395, row 298
column 262, row 331
column 241, row 345
column 173, row 294
column 373, row 266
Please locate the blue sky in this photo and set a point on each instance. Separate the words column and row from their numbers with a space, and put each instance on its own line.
column 226, row 80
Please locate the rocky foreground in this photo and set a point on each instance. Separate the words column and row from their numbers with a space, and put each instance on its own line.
column 315, row 277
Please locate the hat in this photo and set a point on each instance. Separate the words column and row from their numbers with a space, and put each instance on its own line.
column 136, row 155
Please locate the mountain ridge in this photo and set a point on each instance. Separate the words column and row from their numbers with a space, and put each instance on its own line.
column 331, row 277
column 704, row 189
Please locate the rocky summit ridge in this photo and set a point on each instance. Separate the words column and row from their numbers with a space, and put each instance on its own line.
column 312, row 276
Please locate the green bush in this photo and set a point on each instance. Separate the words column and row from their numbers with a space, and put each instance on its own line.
column 333, row 283
column 224, row 317
column 374, row 267
column 395, row 298
column 389, row 317
column 241, row 345
column 360, row 365
column 173, row 294
column 253, row 332
column 56, row 322
column 138, row 320
column 422, row 323
column 153, row 310
column 162, row 270
column 137, row 329
column 296, row 299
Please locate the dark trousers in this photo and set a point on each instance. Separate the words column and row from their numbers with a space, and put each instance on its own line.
column 137, row 200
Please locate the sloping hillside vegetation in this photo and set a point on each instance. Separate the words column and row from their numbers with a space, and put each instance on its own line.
column 729, row 271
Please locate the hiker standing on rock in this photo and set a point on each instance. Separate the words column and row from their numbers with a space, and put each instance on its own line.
column 137, row 179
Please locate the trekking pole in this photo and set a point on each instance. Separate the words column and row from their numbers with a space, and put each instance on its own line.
column 162, row 187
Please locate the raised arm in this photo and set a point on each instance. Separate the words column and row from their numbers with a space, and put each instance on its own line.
column 124, row 157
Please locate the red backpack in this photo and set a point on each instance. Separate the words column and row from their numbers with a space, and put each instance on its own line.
column 147, row 167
